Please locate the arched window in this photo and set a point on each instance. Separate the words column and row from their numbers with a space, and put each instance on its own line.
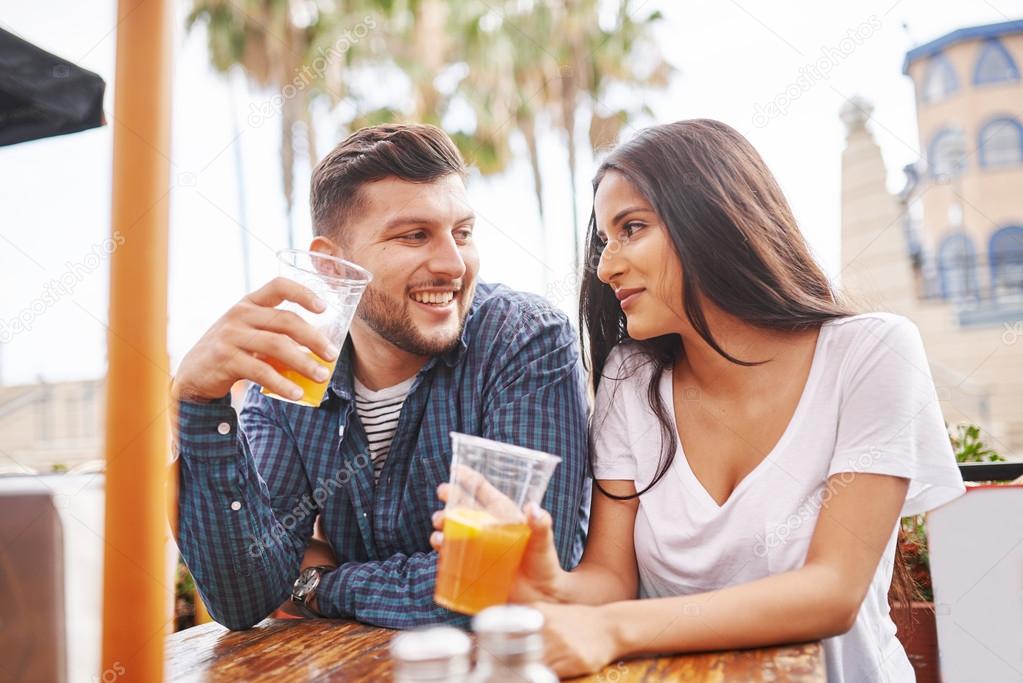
column 994, row 64
column 1005, row 254
column 946, row 155
column 939, row 79
column 957, row 267
column 1001, row 142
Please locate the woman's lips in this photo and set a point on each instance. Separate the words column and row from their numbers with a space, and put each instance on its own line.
column 627, row 297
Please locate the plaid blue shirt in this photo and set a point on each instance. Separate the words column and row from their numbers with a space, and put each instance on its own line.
column 251, row 486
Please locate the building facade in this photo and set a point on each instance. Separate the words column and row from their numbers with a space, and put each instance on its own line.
column 947, row 251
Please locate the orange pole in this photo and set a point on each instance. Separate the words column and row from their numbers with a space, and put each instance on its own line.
column 136, row 588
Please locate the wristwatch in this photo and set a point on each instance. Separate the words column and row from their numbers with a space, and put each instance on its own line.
column 305, row 588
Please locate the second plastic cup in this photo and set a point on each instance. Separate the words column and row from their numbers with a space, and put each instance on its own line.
column 340, row 284
column 485, row 530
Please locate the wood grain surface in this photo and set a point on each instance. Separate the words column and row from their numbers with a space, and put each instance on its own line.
column 299, row 650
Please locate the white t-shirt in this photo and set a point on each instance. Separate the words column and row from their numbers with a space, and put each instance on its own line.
column 379, row 412
column 869, row 405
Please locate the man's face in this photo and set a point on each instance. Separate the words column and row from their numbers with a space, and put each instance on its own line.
column 417, row 241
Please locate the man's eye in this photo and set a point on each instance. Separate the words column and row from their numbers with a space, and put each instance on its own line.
column 416, row 236
column 464, row 235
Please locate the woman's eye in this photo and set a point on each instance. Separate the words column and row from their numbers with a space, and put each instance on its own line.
column 631, row 228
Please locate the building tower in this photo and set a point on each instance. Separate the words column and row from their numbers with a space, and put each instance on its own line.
column 947, row 251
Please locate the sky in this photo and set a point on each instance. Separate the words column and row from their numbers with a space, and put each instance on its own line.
column 778, row 72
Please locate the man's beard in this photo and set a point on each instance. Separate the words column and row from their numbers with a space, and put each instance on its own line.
column 392, row 321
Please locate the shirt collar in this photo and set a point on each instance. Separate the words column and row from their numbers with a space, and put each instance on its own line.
column 342, row 382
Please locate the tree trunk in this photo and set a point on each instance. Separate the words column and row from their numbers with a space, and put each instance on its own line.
column 429, row 44
column 288, row 163
column 528, row 127
column 572, row 78
column 310, row 131
column 568, row 110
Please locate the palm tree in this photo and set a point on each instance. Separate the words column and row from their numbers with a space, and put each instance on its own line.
column 274, row 43
column 613, row 63
column 525, row 67
column 594, row 59
column 548, row 61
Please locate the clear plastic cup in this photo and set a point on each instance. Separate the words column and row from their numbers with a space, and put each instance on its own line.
column 340, row 284
column 485, row 530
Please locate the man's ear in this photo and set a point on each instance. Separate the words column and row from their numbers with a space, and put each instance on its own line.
column 325, row 245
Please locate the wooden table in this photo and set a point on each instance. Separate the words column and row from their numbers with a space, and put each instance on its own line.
column 284, row 650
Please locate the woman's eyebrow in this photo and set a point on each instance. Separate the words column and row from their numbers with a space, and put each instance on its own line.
column 625, row 212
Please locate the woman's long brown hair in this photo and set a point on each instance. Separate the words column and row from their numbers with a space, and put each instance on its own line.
column 739, row 246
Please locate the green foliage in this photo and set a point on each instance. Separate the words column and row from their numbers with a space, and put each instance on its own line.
column 184, row 598
column 488, row 71
column 913, row 544
column 969, row 447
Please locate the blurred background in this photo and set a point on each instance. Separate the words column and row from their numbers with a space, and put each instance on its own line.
column 893, row 126
column 529, row 90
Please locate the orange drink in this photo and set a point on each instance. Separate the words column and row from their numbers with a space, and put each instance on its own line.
column 312, row 391
column 339, row 284
column 485, row 530
column 479, row 560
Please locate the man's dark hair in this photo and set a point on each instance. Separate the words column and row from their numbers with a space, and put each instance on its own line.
column 413, row 152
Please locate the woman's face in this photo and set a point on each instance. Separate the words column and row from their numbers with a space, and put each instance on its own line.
column 638, row 261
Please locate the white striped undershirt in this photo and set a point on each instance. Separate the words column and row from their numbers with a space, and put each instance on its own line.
column 379, row 412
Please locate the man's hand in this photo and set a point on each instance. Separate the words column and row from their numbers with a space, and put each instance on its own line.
column 318, row 554
column 241, row 342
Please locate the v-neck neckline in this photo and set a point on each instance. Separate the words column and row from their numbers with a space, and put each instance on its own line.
column 685, row 470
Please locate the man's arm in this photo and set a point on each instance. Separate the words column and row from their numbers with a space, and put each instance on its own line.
column 243, row 559
column 538, row 400
column 393, row 593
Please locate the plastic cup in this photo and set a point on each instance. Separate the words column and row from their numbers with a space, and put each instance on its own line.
column 340, row 284
column 485, row 529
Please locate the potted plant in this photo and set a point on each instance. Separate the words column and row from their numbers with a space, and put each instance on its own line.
column 917, row 628
column 184, row 598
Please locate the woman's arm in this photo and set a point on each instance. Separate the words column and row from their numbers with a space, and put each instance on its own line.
column 607, row 571
column 819, row 600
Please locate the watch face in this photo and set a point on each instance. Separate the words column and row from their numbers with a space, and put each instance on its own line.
column 307, row 581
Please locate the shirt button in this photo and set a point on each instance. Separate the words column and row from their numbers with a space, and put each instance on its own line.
column 235, row 505
column 224, row 428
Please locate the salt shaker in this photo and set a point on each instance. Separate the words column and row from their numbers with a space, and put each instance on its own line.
column 436, row 654
column 510, row 646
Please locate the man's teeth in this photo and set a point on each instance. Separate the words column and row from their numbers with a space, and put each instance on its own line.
column 433, row 297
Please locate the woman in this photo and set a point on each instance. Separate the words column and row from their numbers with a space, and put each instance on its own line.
column 754, row 442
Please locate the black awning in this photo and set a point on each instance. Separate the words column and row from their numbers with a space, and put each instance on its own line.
column 43, row 95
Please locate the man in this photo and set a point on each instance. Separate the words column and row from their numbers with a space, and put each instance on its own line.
column 431, row 351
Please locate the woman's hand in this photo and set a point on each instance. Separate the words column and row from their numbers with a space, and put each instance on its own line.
column 578, row 639
column 540, row 574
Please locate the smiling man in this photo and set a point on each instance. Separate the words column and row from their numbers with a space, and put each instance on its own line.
column 431, row 351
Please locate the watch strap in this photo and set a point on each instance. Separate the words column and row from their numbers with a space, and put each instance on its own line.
column 300, row 602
